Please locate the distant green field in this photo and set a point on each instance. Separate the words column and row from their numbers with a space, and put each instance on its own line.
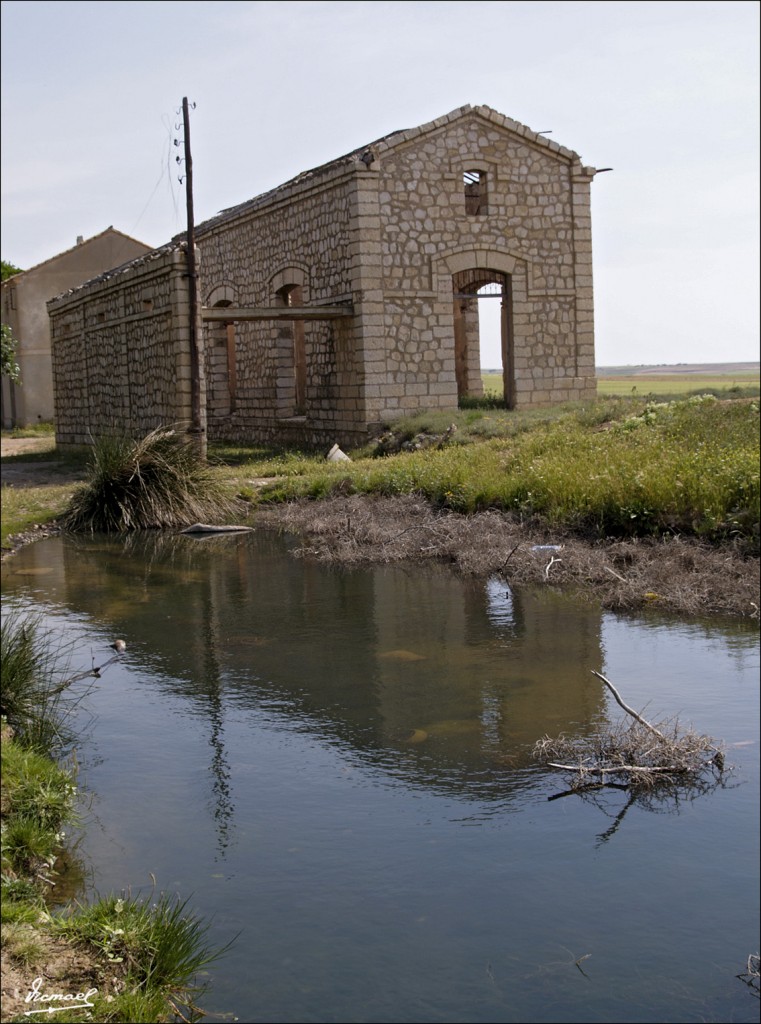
column 676, row 383
column 654, row 384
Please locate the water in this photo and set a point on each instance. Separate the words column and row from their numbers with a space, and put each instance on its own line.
column 337, row 765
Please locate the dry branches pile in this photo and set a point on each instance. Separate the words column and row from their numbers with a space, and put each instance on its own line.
column 630, row 753
column 637, row 754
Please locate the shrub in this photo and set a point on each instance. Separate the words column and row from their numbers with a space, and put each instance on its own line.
column 157, row 481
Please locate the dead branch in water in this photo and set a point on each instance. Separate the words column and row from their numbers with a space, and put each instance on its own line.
column 93, row 672
column 627, row 709
column 644, row 754
column 619, row 769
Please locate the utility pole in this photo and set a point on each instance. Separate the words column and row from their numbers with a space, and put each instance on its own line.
column 197, row 427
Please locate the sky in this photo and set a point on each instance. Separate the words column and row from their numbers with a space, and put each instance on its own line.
column 664, row 93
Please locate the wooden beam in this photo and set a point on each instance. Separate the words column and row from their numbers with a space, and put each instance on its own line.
column 232, row 314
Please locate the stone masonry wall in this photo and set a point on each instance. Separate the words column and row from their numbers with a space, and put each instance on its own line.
column 533, row 225
column 392, row 232
column 303, row 239
column 121, row 351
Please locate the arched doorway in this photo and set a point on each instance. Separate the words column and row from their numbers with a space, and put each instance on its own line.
column 471, row 289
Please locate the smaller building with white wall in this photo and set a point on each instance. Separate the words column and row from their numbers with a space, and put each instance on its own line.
column 24, row 309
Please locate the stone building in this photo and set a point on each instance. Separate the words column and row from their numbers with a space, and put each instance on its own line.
column 348, row 296
column 24, row 298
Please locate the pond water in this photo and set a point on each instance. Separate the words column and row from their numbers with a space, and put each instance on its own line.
column 337, row 765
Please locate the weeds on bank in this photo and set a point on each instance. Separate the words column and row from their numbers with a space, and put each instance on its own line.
column 38, row 795
column 39, row 799
column 148, row 951
column 30, row 701
column 153, row 482
column 160, row 945
column 689, row 467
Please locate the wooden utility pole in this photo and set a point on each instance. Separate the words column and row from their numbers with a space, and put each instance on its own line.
column 197, row 426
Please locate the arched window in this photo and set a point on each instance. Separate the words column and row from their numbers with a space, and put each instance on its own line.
column 221, row 374
column 292, row 365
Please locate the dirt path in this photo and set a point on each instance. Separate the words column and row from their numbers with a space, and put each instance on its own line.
column 21, row 445
column 34, row 473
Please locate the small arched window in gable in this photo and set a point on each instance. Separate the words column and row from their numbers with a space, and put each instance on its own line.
column 475, row 192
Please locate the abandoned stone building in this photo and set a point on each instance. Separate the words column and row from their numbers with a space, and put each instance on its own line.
column 348, row 296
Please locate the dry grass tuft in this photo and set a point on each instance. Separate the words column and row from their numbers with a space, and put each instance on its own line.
column 157, row 481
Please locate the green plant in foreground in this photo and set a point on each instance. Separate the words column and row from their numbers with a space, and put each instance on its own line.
column 156, row 481
column 29, row 698
column 38, row 800
column 161, row 945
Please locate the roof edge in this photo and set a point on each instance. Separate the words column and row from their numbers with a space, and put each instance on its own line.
column 78, row 245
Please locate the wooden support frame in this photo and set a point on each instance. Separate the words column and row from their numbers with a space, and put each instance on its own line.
column 230, row 314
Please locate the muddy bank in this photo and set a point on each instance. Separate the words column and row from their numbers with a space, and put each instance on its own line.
column 675, row 574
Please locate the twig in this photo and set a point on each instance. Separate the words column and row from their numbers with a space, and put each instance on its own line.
column 612, row 572
column 550, row 565
column 587, row 787
column 95, row 672
column 594, row 770
column 627, row 709
column 502, row 567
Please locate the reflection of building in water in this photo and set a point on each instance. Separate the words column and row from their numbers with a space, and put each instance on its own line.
column 386, row 659
column 499, row 604
column 498, row 669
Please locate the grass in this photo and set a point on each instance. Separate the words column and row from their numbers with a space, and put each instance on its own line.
column 153, row 482
column 681, row 386
column 676, row 385
column 147, row 952
column 161, row 947
column 41, row 429
column 688, row 467
column 30, row 702
column 27, row 507
column 618, row 466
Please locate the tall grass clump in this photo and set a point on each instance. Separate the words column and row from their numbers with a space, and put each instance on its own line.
column 153, row 482
column 160, row 947
column 29, row 698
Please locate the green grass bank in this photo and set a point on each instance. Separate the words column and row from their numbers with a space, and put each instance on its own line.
column 134, row 958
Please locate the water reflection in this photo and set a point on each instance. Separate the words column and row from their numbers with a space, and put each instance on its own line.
column 374, row 823
column 435, row 681
column 455, row 677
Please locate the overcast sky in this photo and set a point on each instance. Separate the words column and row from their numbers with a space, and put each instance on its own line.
column 665, row 93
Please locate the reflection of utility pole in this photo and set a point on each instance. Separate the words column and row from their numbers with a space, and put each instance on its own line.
column 198, row 427
column 221, row 785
